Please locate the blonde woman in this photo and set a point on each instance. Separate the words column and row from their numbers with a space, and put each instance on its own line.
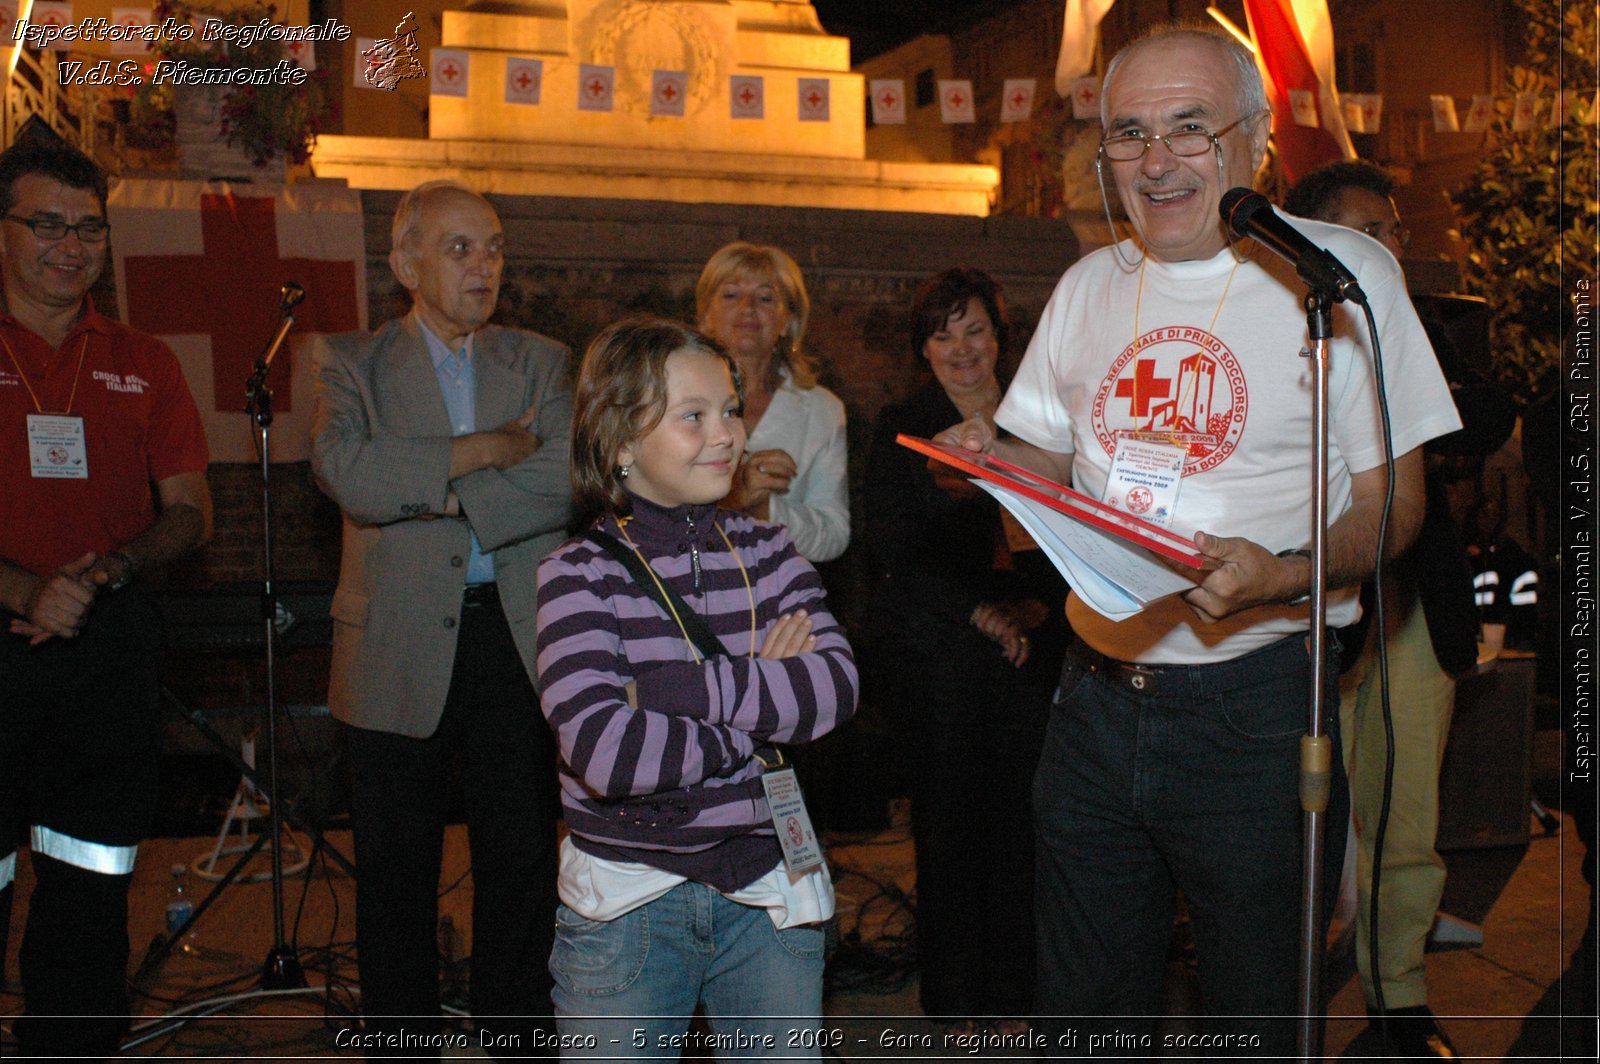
column 752, row 300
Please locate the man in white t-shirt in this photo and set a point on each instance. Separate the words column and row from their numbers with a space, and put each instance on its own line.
column 1171, row 761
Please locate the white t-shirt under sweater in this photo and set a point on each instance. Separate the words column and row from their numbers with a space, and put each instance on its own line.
column 808, row 425
column 1238, row 394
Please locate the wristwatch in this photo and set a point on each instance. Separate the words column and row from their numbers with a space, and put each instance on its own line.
column 1306, row 554
column 129, row 570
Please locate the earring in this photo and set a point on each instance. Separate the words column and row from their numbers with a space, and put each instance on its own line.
column 622, row 472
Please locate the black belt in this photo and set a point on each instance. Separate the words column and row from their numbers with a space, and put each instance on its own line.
column 1140, row 679
column 480, row 595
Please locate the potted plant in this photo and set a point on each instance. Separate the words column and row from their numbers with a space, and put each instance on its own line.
column 265, row 125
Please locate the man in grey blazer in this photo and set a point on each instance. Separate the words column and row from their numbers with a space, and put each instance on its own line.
column 445, row 441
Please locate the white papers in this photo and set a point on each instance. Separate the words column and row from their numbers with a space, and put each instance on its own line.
column 1110, row 575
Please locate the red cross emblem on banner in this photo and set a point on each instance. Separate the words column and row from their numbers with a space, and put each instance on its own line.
column 747, row 95
column 669, row 91
column 887, row 99
column 1086, row 96
column 1018, row 100
column 957, row 99
column 597, row 88
column 231, row 293
column 450, row 72
column 523, row 80
column 814, row 98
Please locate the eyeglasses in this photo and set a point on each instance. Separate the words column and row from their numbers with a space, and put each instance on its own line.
column 1386, row 230
column 1126, row 147
column 90, row 230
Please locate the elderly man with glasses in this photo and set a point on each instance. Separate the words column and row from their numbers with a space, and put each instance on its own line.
column 103, row 476
column 1171, row 758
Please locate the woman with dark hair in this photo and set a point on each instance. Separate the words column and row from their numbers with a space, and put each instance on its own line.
column 977, row 639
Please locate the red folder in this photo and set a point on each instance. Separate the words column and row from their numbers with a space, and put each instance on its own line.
column 1059, row 497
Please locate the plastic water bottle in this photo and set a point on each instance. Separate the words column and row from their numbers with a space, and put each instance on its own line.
column 180, row 907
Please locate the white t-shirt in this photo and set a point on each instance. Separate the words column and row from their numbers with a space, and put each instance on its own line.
column 1237, row 394
column 808, row 425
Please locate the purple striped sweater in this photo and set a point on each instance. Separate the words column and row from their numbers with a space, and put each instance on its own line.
column 672, row 783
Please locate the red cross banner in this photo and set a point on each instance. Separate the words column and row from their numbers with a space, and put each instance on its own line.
column 595, row 86
column 1479, row 114
column 302, row 53
column 746, row 97
column 1016, row 100
column 366, row 59
column 130, row 18
column 814, row 102
column 1444, row 114
column 524, row 78
column 1524, row 109
column 202, row 265
column 668, row 88
column 955, row 101
column 888, row 101
column 1085, row 95
column 51, row 13
column 1294, row 49
column 449, row 67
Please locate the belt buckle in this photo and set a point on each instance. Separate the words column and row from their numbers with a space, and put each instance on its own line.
column 1141, row 680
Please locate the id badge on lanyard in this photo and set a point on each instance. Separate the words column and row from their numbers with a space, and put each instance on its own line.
column 1145, row 477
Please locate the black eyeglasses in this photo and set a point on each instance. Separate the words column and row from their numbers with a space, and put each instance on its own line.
column 90, row 230
column 1384, row 230
column 1126, row 147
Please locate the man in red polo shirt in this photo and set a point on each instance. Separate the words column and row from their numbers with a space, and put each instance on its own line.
column 102, row 479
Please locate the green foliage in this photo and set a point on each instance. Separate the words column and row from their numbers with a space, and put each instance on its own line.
column 1528, row 211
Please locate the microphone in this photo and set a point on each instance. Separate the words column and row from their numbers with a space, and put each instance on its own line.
column 292, row 293
column 1249, row 213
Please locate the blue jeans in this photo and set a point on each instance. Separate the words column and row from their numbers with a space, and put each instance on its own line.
column 1190, row 783
column 627, row 987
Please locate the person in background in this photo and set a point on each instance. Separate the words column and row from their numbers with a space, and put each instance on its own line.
column 1171, row 759
column 971, row 625
column 1431, row 636
column 752, row 300
column 444, row 441
column 103, row 482
column 678, row 643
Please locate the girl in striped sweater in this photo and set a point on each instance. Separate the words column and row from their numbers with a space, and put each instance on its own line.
column 674, row 889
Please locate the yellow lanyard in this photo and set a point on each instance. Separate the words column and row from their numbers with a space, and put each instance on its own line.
column 622, row 526
column 76, row 376
column 1180, row 399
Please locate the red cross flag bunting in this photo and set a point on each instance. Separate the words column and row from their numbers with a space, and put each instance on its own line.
column 51, row 13
column 1445, row 119
column 955, row 101
column 129, row 18
column 202, row 265
column 813, row 105
column 1479, row 114
column 448, row 72
column 888, row 101
column 1016, row 100
column 668, row 88
column 1303, row 106
column 746, row 97
column 302, row 53
column 524, row 76
column 595, row 87
column 1524, row 109
column 1086, row 98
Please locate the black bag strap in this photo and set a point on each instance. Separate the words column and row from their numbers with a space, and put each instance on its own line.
column 694, row 625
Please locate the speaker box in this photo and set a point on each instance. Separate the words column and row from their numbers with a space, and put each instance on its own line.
column 1486, row 783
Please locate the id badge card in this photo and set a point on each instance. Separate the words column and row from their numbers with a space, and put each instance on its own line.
column 1144, row 479
column 56, row 447
column 801, row 849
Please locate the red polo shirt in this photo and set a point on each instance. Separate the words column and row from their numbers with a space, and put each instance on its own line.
column 140, row 427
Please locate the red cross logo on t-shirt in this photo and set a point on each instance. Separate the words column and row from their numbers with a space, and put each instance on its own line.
column 1144, row 387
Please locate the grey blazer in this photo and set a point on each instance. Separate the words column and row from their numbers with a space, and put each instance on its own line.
column 380, row 448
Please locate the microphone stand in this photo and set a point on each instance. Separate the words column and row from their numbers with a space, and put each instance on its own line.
column 1316, row 749
column 282, row 969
